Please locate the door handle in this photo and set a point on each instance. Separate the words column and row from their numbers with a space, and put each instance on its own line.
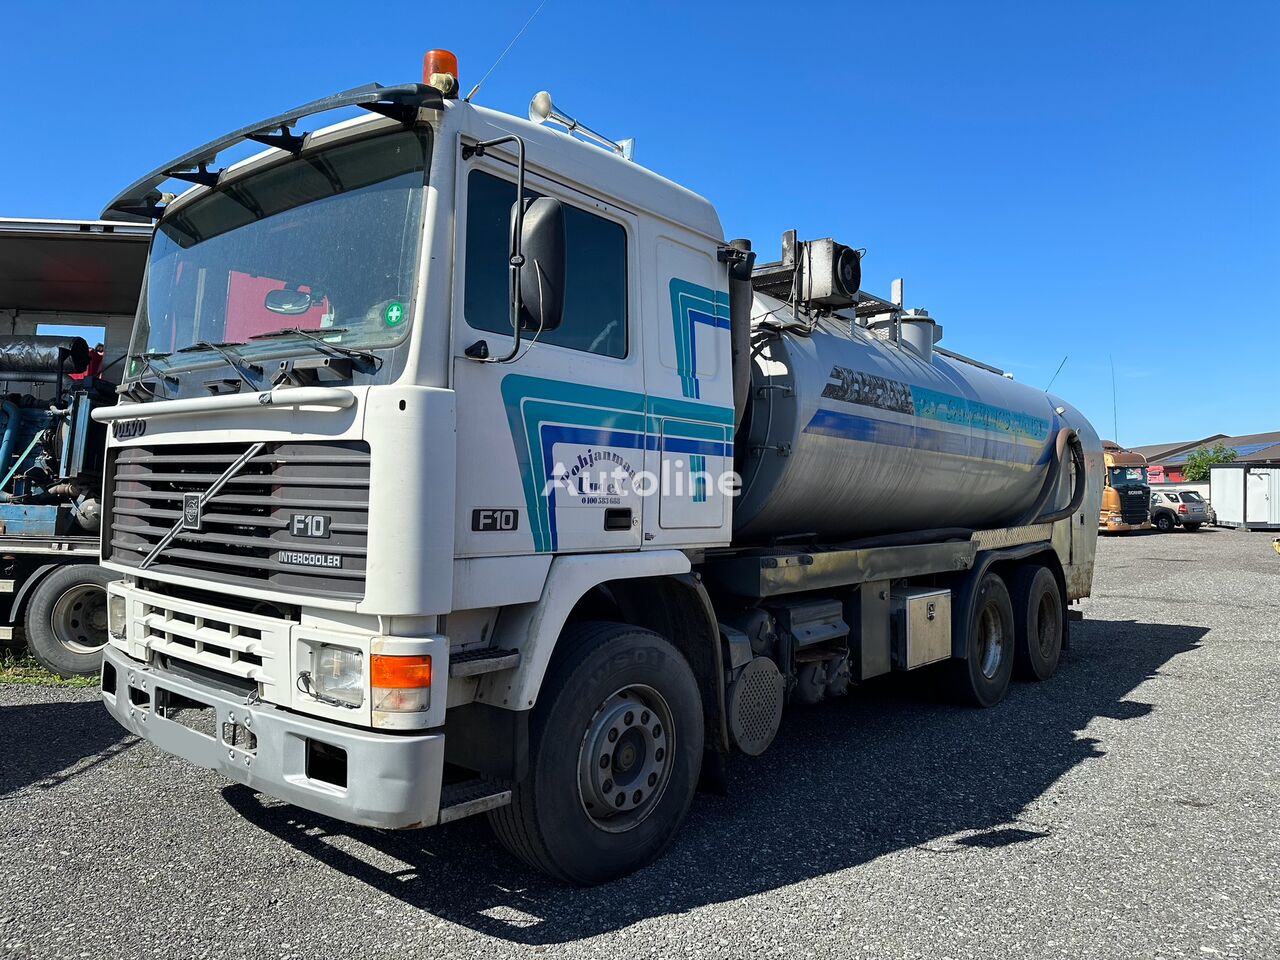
column 617, row 518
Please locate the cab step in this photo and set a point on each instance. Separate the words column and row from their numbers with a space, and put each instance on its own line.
column 476, row 662
column 469, row 797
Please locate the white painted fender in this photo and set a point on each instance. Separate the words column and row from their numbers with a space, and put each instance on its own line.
column 534, row 628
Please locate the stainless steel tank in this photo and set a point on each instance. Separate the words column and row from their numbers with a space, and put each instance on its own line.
column 849, row 433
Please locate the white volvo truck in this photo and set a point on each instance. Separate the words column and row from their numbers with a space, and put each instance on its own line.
column 462, row 466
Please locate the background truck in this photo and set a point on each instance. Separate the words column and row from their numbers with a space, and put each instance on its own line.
column 66, row 288
column 1126, row 492
column 423, row 498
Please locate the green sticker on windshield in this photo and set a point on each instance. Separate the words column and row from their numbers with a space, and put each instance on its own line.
column 393, row 315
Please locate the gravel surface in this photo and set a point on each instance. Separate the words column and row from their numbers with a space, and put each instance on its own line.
column 1128, row 808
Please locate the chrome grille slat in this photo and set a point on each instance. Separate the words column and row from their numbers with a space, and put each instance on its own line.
column 245, row 527
column 229, row 540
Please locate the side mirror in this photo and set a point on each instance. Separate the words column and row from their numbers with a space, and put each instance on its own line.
column 542, row 278
column 291, row 303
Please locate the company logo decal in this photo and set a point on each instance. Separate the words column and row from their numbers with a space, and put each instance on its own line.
column 127, row 429
column 191, row 510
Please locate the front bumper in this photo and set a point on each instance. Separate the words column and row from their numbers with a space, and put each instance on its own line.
column 392, row 780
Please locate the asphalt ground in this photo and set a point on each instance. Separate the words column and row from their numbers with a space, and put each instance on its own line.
column 1128, row 808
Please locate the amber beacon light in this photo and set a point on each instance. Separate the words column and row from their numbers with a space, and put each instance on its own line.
column 440, row 70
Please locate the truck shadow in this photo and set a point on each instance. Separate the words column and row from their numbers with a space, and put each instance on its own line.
column 47, row 744
column 846, row 782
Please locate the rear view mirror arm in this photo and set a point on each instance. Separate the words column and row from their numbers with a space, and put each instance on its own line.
column 478, row 351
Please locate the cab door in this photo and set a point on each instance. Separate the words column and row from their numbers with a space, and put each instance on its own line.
column 548, row 445
column 690, row 385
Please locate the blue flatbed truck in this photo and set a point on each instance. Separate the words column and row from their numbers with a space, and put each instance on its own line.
column 68, row 295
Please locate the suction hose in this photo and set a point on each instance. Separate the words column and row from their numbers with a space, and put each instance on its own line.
column 1066, row 440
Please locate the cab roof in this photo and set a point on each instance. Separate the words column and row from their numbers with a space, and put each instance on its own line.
column 597, row 170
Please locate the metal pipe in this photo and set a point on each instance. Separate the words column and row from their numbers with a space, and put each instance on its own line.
column 741, row 298
column 277, row 398
column 13, row 415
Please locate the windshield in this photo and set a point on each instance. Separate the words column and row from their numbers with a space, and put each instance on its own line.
column 324, row 241
column 1128, row 476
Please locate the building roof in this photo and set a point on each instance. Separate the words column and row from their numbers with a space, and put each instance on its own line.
column 71, row 266
column 1250, row 448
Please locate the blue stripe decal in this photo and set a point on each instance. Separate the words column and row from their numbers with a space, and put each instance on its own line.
column 693, row 304
column 552, row 434
column 847, row 426
column 608, row 415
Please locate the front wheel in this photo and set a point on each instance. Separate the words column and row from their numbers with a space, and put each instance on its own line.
column 616, row 745
column 66, row 619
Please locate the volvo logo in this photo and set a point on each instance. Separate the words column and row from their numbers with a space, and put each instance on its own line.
column 127, row 429
column 191, row 511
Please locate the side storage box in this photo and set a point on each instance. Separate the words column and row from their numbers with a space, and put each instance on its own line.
column 921, row 626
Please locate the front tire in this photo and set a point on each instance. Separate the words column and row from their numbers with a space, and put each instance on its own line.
column 615, row 743
column 66, row 619
column 982, row 678
column 1040, row 623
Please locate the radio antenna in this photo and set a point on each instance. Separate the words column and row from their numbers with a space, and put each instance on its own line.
column 1115, row 408
column 514, row 41
column 1056, row 372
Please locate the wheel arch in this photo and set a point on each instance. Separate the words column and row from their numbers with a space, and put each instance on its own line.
column 17, row 608
column 652, row 589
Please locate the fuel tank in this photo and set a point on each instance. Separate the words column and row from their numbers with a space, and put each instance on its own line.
column 852, row 432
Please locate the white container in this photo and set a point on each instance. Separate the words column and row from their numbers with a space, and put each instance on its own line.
column 1246, row 496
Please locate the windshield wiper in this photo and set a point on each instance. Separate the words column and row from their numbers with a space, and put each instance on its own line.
column 337, row 348
column 147, row 361
column 231, row 358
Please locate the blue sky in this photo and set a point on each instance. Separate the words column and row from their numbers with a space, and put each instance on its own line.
column 1094, row 179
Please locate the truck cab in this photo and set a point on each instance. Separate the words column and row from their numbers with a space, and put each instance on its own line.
column 1126, row 492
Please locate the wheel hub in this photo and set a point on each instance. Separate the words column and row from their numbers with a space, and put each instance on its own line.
column 625, row 760
column 79, row 618
column 991, row 641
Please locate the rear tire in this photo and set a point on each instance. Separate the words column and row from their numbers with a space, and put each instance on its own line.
column 615, row 748
column 66, row 619
column 1040, row 622
column 1164, row 523
column 982, row 678
column 1193, row 527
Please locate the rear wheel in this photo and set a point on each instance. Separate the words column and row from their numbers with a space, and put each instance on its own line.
column 66, row 619
column 1164, row 523
column 616, row 743
column 1039, row 620
column 982, row 678
column 1193, row 527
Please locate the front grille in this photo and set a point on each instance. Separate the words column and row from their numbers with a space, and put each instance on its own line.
column 245, row 536
column 1133, row 509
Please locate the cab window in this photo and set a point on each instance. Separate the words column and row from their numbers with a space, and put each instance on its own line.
column 595, row 302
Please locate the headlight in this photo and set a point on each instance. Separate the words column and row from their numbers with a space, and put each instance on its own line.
column 400, row 684
column 337, row 675
column 117, row 614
